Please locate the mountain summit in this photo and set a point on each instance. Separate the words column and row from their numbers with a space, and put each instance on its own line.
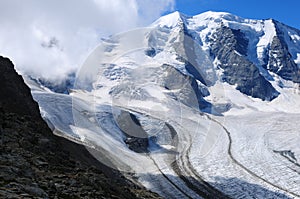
column 252, row 54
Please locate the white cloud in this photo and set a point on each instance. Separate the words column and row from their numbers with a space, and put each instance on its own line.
column 50, row 38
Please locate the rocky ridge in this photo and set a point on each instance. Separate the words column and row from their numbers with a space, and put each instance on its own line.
column 37, row 164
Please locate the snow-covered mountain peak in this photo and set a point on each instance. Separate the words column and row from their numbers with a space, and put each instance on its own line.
column 210, row 96
column 171, row 20
column 211, row 15
column 176, row 17
column 270, row 48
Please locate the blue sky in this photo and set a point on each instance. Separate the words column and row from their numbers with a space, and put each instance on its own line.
column 286, row 11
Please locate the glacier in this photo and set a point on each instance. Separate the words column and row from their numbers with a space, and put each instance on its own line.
column 173, row 111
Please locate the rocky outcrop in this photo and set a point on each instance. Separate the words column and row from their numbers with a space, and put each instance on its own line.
column 280, row 60
column 230, row 47
column 187, row 90
column 136, row 138
column 15, row 96
column 34, row 163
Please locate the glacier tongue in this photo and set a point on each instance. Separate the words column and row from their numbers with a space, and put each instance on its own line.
column 189, row 107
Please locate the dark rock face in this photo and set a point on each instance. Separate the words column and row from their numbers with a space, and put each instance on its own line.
column 188, row 41
column 136, row 138
column 280, row 60
column 241, row 43
column 151, row 52
column 138, row 145
column 229, row 46
column 34, row 163
column 15, row 96
column 189, row 91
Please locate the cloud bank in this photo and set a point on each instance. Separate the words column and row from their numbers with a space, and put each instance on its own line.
column 51, row 38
